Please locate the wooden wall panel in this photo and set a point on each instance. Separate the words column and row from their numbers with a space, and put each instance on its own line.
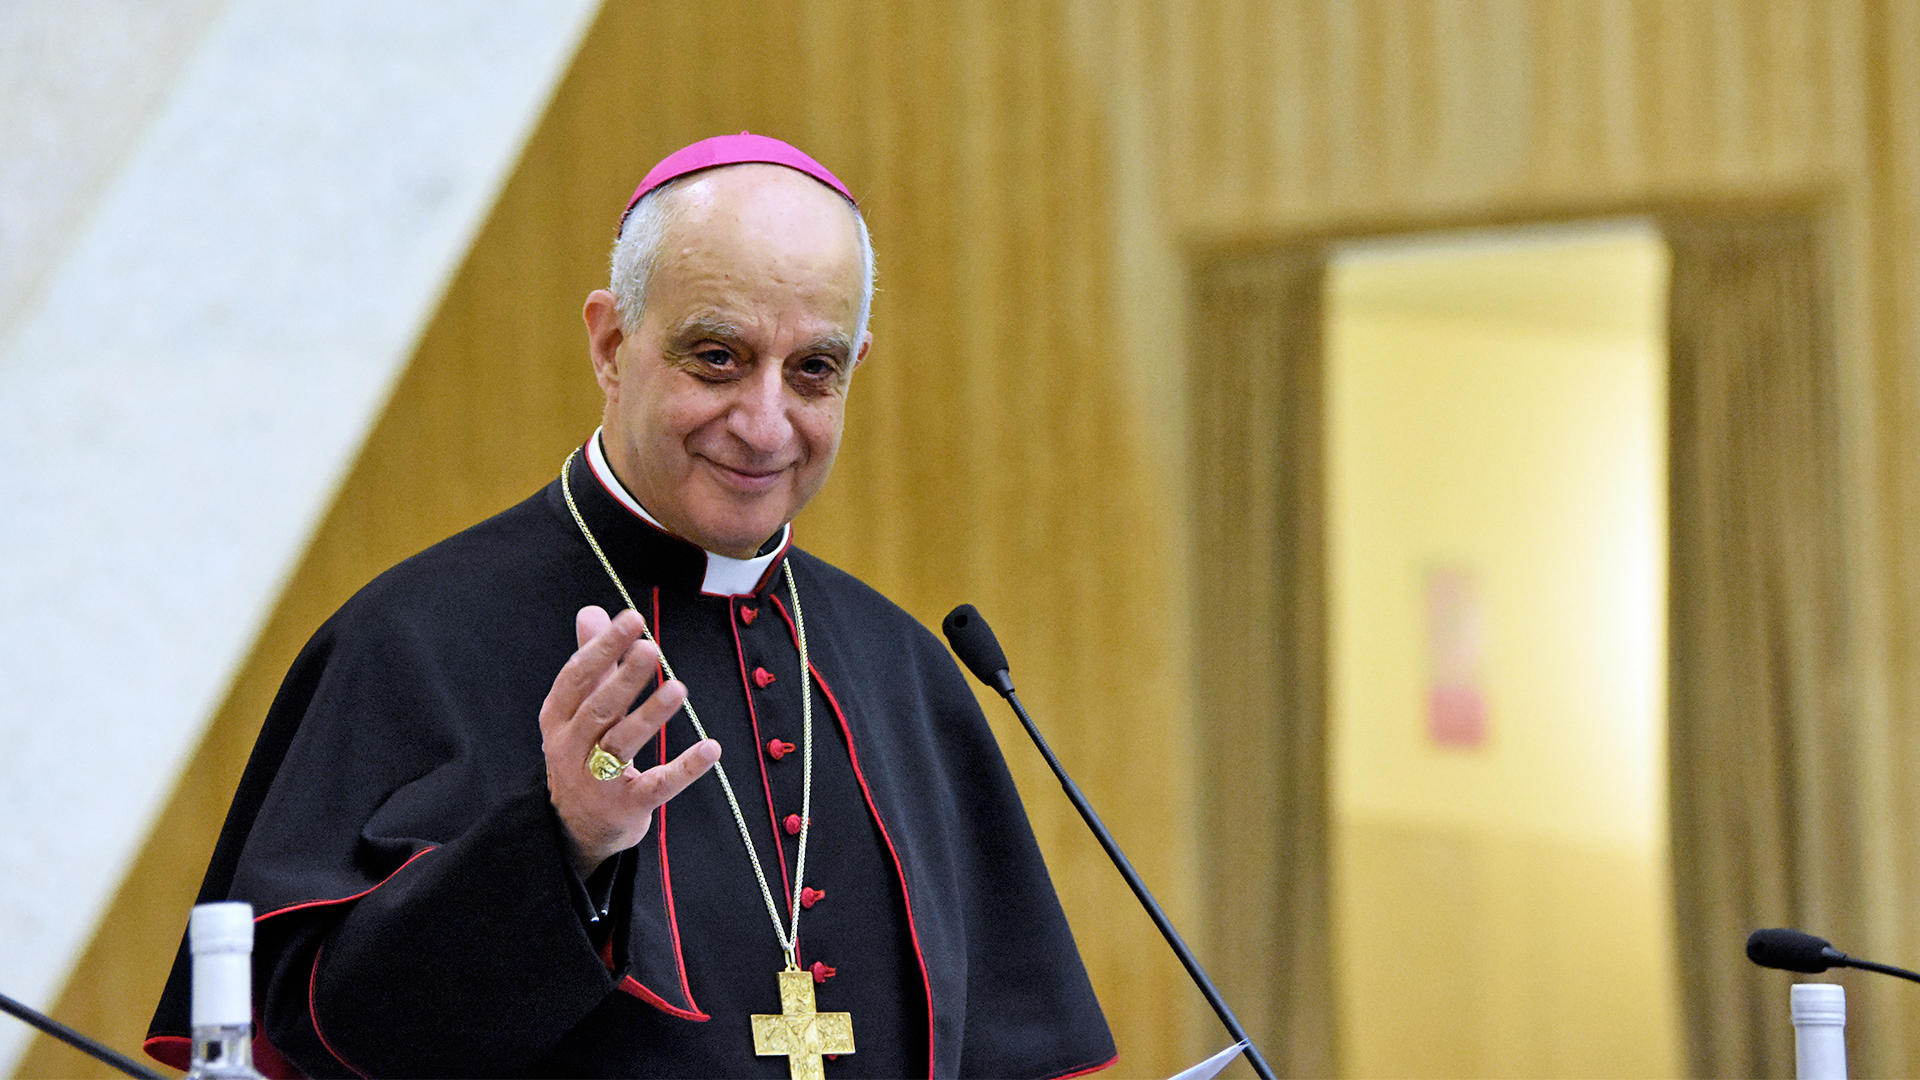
column 1894, row 320
column 1279, row 112
column 1260, row 655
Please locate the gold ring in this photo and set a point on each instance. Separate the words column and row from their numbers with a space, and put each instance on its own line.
column 605, row 766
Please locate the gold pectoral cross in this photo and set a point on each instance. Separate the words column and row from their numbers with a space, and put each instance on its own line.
column 799, row 1032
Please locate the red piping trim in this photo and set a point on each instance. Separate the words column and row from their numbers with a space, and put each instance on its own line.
column 673, row 917
column 633, row 986
column 158, row 1044
column 313, row 977
column 313, row 1013
column 760, row 760
column 620, row 497
column 1085, row 1069
column 786, row 541
column 173, row 1051
column 899, row 869
column 304, row 904
column 666, row 883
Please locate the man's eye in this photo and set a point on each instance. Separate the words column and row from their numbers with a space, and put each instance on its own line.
column 714, row 358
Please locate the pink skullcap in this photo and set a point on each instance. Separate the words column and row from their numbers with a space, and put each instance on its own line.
column 734, row 150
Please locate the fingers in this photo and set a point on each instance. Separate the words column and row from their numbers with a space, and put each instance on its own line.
column 611, row 661
column 626, row 734
column 591, row 698
column 592, row 701
column 662, row 782
column 604, row 817
column 590, row 621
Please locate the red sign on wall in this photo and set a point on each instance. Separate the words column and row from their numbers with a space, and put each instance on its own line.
column 1456, row 697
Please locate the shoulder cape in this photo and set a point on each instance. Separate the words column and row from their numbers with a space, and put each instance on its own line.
column 415, row 915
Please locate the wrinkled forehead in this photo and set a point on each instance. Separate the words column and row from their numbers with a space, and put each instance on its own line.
column 761, row 231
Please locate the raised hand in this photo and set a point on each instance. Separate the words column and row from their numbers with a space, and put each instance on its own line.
column 589, row 705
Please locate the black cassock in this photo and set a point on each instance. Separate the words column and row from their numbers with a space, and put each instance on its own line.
column 416, row 914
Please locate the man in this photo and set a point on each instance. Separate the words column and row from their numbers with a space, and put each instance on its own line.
column 469, row 851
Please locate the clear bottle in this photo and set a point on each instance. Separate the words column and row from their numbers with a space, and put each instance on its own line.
column 221, row 937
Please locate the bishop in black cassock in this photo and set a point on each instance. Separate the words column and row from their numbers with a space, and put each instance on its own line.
column 424, row 905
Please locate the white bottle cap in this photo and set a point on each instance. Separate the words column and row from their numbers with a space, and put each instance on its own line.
column 226, row 926
column 1819, row 1003
column 221, row 936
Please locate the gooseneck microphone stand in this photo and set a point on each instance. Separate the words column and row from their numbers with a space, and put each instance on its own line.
column 76, row 1040
column 973, row 642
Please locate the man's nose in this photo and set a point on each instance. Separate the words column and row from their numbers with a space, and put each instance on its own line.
column 759, row 415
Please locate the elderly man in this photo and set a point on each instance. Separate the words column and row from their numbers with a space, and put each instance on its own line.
column 470, row 851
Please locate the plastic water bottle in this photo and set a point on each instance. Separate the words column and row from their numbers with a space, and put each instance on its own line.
column 1819, row 1031
column 221, row 937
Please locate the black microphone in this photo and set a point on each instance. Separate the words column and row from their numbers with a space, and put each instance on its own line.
column 973, row 642
column 1793, row 950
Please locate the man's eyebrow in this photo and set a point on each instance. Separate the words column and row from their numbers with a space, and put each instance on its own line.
column 700, row 327
column 833, row 344
column 707, row 326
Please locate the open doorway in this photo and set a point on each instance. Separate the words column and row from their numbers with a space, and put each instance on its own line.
column 1759, row 697
column 1495, row 464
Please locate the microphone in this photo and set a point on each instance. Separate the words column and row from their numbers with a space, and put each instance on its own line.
column 1793, row 950
column 973, row 642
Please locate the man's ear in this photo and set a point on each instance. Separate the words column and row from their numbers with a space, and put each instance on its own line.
column 866, row 342
column 605, row 332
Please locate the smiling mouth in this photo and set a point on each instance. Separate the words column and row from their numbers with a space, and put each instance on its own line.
column 751, row 479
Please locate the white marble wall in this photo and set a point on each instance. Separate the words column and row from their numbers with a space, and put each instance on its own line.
column 223, row 225
column 80, row 80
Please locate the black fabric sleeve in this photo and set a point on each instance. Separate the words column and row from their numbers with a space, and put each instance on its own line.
column 470, row 960
column 593, row 895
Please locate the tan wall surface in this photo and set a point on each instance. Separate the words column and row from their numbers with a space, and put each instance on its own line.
column 1036, row 174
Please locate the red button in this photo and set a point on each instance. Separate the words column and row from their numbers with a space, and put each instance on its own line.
column 762, row 677
column 793, row 824
column 821, row 972
column 810, row 896
column 777, row 749
column 748, row 614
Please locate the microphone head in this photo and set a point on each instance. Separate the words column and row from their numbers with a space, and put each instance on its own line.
column 973, row 642
column 1791, row 950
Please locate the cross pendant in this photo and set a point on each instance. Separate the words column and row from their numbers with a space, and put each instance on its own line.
column 799, row 1032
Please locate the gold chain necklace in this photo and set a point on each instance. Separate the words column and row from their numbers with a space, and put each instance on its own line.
column 788, row 938
column 798, row 1033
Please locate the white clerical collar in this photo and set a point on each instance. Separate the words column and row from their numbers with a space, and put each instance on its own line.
column 725, row 576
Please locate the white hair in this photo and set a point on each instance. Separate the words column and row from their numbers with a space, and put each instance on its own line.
column 643, row 235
